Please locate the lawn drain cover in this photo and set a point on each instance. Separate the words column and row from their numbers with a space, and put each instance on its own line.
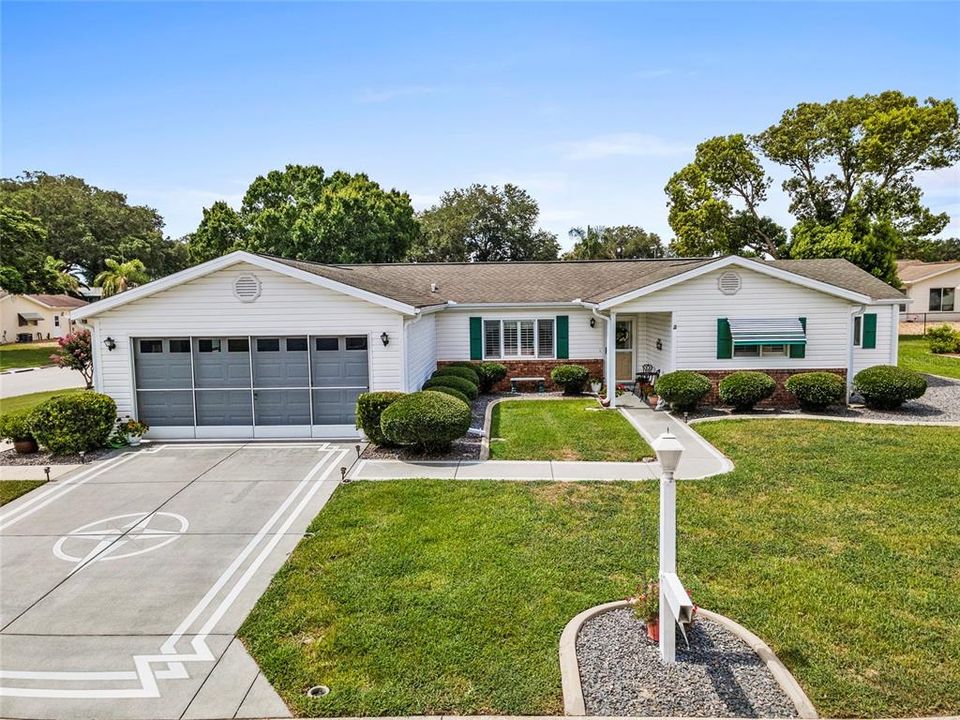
column 318, row 691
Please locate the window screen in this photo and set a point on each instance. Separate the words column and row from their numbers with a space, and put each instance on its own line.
column 491, row 338
column 151, row 346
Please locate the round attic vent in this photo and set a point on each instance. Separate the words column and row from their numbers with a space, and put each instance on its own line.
column 247, row 288
column 729, row 283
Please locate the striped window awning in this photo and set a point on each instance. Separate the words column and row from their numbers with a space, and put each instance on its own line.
column 768, row 331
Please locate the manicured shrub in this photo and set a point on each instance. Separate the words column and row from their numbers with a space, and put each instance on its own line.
column 17, row 425
column 427, row 420
column 459, row 371
column 452, row 392
column 370, row 406
column 943, row 339
column 745, row 389
column 490, row 373
column 74, row 422
column 683, row 389
column 817, row 390
column 572, row 378
column 886, row 387
column 452, row 381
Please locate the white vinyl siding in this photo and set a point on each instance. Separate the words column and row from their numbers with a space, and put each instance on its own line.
column 887, row 334
column 453, row 331
column 421, row 350
column 919, row 293
column 207, row 307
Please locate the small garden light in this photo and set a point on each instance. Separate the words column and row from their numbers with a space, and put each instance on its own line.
column 46, row 470
column 384, row 338
column 83, row 457
column 668, row 450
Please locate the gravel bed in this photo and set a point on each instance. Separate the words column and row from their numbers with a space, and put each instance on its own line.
column 941, row 403
column 719, row 676
column 11, row 457
column 466, row 448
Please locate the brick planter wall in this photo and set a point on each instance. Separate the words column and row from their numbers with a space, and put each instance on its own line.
column 780, row 398
column 537, row 368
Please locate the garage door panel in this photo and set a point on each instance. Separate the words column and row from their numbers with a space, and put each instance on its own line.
column 282, row 407
column 221, row 362
column 335, row 406
column 224, row 407
column 161, row 363
column 281, row 362
column 161, row 408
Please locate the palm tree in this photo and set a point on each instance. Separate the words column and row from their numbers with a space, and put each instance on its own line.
column 121, row 276
column 57, row 276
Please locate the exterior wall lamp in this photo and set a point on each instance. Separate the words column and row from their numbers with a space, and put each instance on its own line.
column 593, row 322
column 110, row 343
column 384, row 338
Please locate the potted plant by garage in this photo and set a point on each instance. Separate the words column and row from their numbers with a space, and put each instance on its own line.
column 596, row 385
column 646, row 607
column 132, row 429
column 17, row 427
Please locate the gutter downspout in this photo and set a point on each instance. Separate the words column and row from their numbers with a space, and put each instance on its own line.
column 407, row 322
column 855, row 312
column 609, row 355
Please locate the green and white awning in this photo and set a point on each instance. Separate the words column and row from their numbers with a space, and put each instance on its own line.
column 768, row 331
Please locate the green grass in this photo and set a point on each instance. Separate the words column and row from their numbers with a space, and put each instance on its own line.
column 562, row 430
column 25, row 355
column 915, row 355
column 25, row 402
column 12, row 489
column 836, row 543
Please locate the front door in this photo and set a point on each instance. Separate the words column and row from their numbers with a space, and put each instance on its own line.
column 625, row 350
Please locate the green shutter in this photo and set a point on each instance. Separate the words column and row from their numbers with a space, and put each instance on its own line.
column 799, row 351
column 869, row 331
column 476, row 338
column 563, row 337
column 724, row 339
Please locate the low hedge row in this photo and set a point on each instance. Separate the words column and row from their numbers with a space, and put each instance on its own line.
column 452, row 381
column 426, row 420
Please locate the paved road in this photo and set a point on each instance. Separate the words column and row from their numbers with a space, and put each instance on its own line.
column 123, row 586
column 31, row 381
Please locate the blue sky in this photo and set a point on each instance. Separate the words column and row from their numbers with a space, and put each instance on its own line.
column 591, row 107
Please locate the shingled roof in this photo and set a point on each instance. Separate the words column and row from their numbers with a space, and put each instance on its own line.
column 558, row 281
column 910, row 271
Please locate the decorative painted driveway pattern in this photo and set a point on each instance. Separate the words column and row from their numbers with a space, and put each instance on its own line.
column 123, row 585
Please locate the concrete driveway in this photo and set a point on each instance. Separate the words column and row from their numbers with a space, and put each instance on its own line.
column 123, row 585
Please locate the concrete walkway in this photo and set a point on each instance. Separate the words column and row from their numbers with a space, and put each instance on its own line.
column 700, row 460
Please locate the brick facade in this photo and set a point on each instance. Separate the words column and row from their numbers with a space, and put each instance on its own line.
column 538, row 368
column 780, row 398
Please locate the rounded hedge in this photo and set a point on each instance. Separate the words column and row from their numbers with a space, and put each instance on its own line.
column 746, row 388
column 452, row 381
column 370, row 406
column 572, row 378
column 428, row 420
column 886, row 387
column 458, row 371
column 452, row 392
column 817, row 390
column 943, row 339
column 71, row 423
column 683, row 389
column 490, row 374
column 17, row 425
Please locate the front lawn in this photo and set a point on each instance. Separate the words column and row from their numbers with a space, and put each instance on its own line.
column 562, row 430
column 915, row 355
column 836, row 543
column 31, row 400
column 12, row 489
column 25, row 355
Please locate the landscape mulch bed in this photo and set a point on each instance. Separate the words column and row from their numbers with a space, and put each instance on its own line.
column 12, row 457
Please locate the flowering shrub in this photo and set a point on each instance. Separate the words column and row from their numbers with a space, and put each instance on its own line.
column 646, row 603
column 74, row 353
column 129, row 426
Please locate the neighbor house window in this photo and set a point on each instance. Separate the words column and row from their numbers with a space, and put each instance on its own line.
column 942, row 299
column 519, row 338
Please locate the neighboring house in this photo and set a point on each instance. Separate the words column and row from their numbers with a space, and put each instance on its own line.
column 28, row 318
column 254, row 346
column 932, row 288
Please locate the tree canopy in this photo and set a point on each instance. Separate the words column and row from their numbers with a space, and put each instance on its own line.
column 302, row 213
column 483, row 223
column 851, row 167
column 24, row 265
column 610, row 243
column 84, row 225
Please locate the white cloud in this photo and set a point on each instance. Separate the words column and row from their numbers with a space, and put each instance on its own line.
column 622, row 145
column 382, row 95
column 536, row 183
column 182, row 208
column 653, row 74
column 944, row 182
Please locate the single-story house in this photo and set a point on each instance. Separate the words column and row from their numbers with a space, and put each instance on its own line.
column 28, row 318
column 932, row 289
column 253, row 346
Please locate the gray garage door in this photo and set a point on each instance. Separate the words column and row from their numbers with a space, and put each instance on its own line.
column 250, row 381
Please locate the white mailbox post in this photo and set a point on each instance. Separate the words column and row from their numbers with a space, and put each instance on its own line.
column 675, row 604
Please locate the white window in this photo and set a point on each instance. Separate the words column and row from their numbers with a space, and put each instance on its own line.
column 744, row 351
column 941, row 299
column 56, row 321
column 857, row 331
column 519, row 338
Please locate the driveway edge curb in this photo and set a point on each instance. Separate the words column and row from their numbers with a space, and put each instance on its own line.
column 573, row 703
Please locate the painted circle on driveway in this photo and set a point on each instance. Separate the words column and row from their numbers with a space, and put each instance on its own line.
column 120, row 536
